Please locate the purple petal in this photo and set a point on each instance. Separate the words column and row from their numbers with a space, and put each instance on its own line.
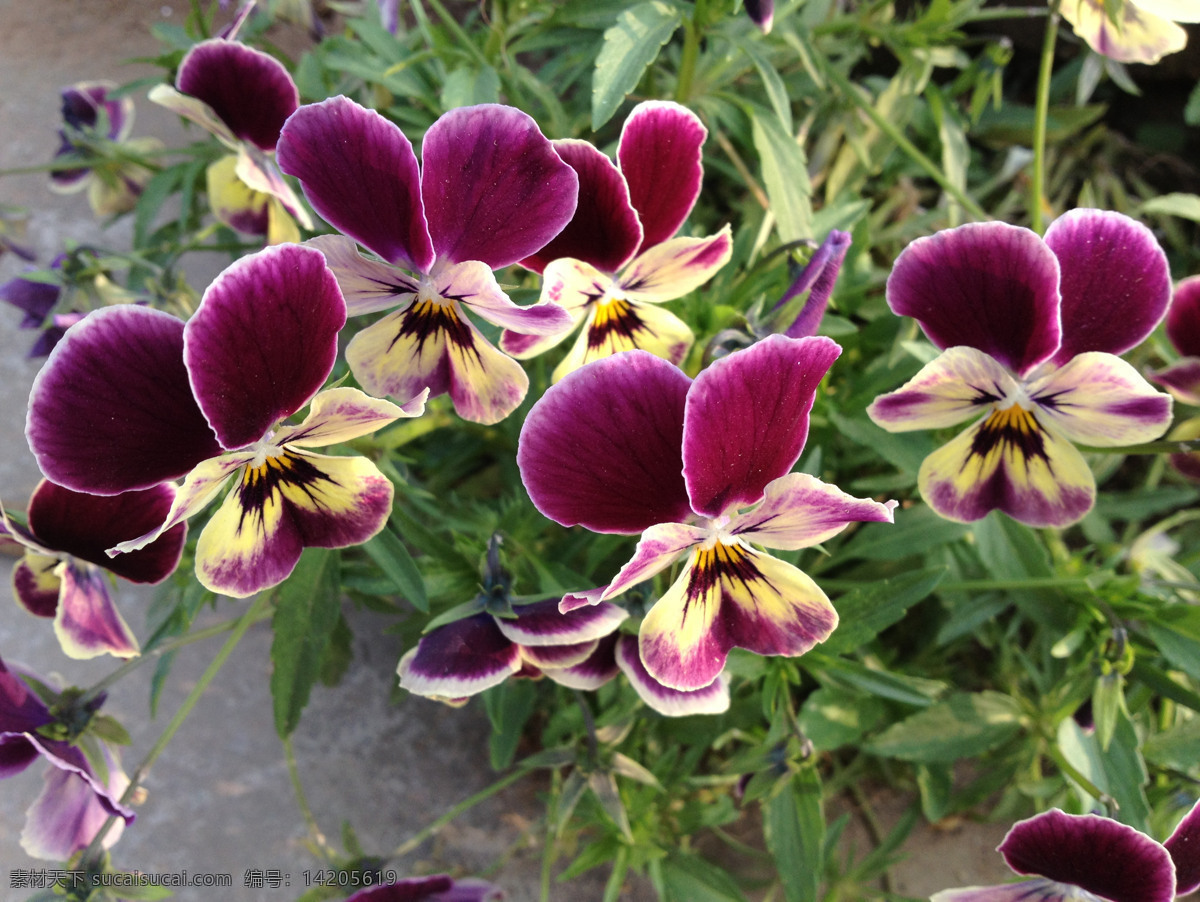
column 1181, row 379
column 36, row 299
column 439, row 888
column 541, row 623
column 799, row 511
column 1184, row 848
column 21, row 711
column 658, row 548
column 1097, row 854
column 710, row 699
column 761, row 13
column 87, row 622
column 537, row 658
column 493, row 186
column 605, row 231
column 747, row 419
column 593, row 672
column 1115, row 281
column 1183, row 317
column 989, row 286
column 36, row 584
column 660, row 156
column 817, row 279
column 602, row 447
column 112, row 409
column 84, row 526
column 82, row 103
column 263, row 340
column 368, row 285
column 251, row 92
column 460, row 659
column 1037, row 890
column 360, row 174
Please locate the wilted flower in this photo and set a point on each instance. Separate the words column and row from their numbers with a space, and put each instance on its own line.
column 700, row 468
column 618, row 260
column 1131, row 31
column 132, row 397
column 82, row 789
column 1073, row 857
column 1030, row 330
column 64, row 571
column 242, row 96
column 490, row 191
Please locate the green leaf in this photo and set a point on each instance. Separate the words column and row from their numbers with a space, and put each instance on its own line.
column 509, row 707
column 1185, row 206
column 907, row 690
column 1108, row 705
column 630, row 46
column 1175, row 748
column 833, row 717
column 963, row 726
column 307, row 609
column 794, row 827
column 1120, row 771
column 916, row 530
column 864, row 613
column 689, row 878
column 390, row 554
column 935, row 782
column 785, row 177
column 1010, row 549
column 776, row 90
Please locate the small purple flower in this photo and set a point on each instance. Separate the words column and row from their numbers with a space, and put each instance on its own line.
column 63, row 574
column 490, row 191
column 1182, row 378
column 630, row 444
column 1073, row 857
column 1030, row 331
column 81, row 790
column 132, row 397
column 619, row 258
column 761, row 13
column 438, row 888
column 817, row 279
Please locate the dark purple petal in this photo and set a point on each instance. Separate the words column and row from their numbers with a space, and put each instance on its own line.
column 112, row 409
column 1184, row 848
column 601, row 448
column 761, row 13
column 82, row 103
column 263, row 340
column 21, row 711
column 493, row 186
column 250, row 91
column 604, row 231
column 542, row 624
column 360, row 174
column 460, row 659
column 817, row 279
column 87, row 623
column 1183, row 317
column 1181, row 379
column 1115, row 281
column 1100, row 855
column 989, row 286
column 36, row 299
column 439, row 888
column 36, row 586
column 747, row 419
column 84, row 525
column 660, row 156
column 594, row 671
column 710, row 699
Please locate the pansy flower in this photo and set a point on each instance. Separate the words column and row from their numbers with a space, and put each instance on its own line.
column 64, row 571
column 1132, row 31
column 436, row 888
column 91, row 119
column 1071, row 857
column 80, row 792
column 618, row 260
column 490, row 190
column 700, row 468
column 242, row 96
column 464, row 657
column 1029, row 331
column 1182, row 378
column 132, row 397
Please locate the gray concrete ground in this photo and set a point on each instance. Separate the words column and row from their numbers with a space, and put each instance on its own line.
column 220, row 800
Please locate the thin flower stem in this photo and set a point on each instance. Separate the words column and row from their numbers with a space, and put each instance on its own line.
column 248, row 619
column 1037, row 184
column 1162, row 446
column 1009, row 12
column 854, row 95
column 1079, row 779
column 314, row 830
column 465, row 805
column 687, row 60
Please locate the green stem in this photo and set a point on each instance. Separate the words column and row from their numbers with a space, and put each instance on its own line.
column 466, row 804
column 1009, row 12
column 687, row 61
column 314, row 830
column 460, row 35
column 1162, row 446
column 248, row 619
column 855, row 96
column 1037, row 185
column 1078, row 778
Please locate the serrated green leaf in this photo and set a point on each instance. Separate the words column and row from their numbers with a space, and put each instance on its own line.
column 907, row 690
column 863, row 613
column 1176, row 748
column 307, row 609
column 776, row 90
column 392, row 557
column 630, row 46
column 785, row 177
column 962, row 726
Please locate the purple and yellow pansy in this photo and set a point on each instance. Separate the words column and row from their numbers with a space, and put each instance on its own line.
column 132, row 397
column 64, row 571
column 700, row 468
column 619, row 258
column 490, row 190
column 1072, row 858
column 242, row 96
column 1132, row 31
column 81, row 791
column 1029, row 330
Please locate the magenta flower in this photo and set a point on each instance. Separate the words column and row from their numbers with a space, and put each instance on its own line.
column 700, row 468
column 1182, row 378
column 1029, row 330
column 64, row 571
column 618, row 260
column 81, row 790
column 242, row 96
column 490, row 190
column 1072, row 858
column 132, row 397
column 438, row 888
